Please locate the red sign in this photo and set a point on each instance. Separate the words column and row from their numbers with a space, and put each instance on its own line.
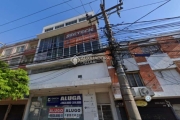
column 81, row 35
column 56, row 113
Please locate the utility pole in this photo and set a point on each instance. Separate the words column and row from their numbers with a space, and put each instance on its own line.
column 126, row 93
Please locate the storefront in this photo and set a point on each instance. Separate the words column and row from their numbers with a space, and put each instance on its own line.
column 12, row 109
column 94, row 104
column 159, row 109
column 62, row 107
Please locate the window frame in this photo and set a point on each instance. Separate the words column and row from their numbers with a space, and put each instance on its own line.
column 151, row 50
column 134, row 79
column 20, row 48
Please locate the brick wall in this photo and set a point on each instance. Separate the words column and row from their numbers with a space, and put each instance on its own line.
column 169, row 44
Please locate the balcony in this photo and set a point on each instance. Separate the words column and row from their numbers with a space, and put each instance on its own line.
column 29, row 51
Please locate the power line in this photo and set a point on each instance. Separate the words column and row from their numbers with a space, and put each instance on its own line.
column 72, row 7
column 52, row 77
column 45, row 17
column 34, row 13
column 146, row 14
column 83, row 6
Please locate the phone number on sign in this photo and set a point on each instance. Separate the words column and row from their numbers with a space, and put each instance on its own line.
column 55, row 115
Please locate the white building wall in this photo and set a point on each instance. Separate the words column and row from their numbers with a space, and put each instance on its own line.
column 91, row 74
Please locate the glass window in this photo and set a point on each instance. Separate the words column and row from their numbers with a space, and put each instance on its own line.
column 20, row 49
column 95, row 45
column 152, row 49
column 134, row 79
column 82, row 19
column 88, row 46
column 15, row 61
column 73, row 50
column 49, row 29
column 8, row 52
column 104, row 112
column 125, row 54
column 80, row 48
column 71, row 22
column 66, row 52
column 59, row 26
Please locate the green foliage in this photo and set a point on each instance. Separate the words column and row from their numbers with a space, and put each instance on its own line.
column 13, row 83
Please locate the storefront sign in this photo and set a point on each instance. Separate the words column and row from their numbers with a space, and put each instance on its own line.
column 141, row 103
column 72, row 112
column 64, row 100
column 56, row 113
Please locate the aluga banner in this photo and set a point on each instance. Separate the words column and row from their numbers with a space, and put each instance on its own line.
column 56, row 113
column 64, row 100
column 72, row 112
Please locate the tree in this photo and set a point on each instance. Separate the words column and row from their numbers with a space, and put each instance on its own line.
column 13, row 83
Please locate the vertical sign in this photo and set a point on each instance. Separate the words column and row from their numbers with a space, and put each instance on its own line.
column 56, row 112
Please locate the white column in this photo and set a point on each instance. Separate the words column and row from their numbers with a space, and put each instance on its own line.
column 114, row 111
column 89, row 105
column 26, row 112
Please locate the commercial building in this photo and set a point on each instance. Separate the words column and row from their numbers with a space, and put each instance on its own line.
column 68, row 80
column 152, row 63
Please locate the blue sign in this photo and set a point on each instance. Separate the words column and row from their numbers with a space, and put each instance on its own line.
column 64, row 100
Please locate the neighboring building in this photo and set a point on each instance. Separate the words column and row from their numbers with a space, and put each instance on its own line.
column 17, row 55
column 160, row 72
column 60, row 89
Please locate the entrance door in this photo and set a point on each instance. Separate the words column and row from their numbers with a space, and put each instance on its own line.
column 16, row 112
column 155, row 113
column 104, row 112
column 3, row 109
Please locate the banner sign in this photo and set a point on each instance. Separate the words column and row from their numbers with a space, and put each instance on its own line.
column 72, row 112
column 56, row 113
column 64, row 100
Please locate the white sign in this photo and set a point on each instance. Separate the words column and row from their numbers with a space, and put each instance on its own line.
column 72, row 112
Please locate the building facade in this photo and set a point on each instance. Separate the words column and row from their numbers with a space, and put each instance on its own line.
column 68, row 79
column 17, row 55
column 152, row 68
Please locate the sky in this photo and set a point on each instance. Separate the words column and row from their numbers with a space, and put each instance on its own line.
column 14, row 9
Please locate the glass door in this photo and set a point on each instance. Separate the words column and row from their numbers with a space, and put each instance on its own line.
column 104, row 112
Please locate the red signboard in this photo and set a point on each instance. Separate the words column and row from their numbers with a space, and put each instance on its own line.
column 56, row 112
column 81, row 35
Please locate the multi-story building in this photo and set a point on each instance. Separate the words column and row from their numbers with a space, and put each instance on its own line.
column 66, row 81
column 17, row 55
column 152, row 63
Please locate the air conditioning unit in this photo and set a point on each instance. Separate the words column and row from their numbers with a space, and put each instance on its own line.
column 144, row 91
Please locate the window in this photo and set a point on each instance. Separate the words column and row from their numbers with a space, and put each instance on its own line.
column 59, row 26
column 49, row 29
column 70, row 23
column 125, row 54
column 134, row 79
column 20, row 49
column 104, row 112
column 8, row 52
column 82, row 19
column 15, row 61
column 152, row 49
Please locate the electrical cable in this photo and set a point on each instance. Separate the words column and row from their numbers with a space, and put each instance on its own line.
column 34, row 13
column 83, row 6
column 146, row 14
column 72, row 7
column 45, row 18
column 38, row 82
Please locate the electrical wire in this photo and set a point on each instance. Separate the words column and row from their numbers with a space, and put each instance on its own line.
column 34, row 13
column 45, row 17
column 72, row 7
column 38, row 82
column 83, row 6
column 147, row 14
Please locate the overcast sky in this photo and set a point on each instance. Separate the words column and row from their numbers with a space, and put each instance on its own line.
column 13, row 9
